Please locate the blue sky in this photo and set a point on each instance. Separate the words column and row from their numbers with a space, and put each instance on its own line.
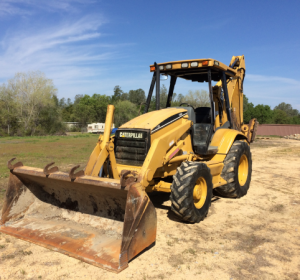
column 90, row 46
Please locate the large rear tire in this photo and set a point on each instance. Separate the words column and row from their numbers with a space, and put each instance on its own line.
column 191, row 191
column 237, row 171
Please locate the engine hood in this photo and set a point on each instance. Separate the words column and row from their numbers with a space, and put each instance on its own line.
column 155, row 119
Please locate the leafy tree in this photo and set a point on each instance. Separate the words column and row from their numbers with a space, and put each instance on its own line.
column 77, row 98
column 50, row 121
column 90, row 109
column 67, row 110
column 84, row 113
column 174, row 102
column 117, row 94
column 263, row 113
column 248, row 109
column 125, row 111
column 33, row 92
column 197, row 98
column 177, row 99
column 280, row 117
column 136, row 96
column 124, row 96
column 100, row 102
column 295, row 120
column 288, row 109
column 163, row 97
column 8, row 109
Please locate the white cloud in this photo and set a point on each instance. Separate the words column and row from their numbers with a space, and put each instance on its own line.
column 73, row 53
column 11, row 10
column 21, row 45
column 29, row 7
column 47, row 47
column 262, row 78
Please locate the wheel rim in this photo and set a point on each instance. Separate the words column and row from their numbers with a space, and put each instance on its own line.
column 243, row 170
column 200, row 193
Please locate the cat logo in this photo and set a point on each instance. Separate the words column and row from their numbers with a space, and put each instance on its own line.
column 131, row 135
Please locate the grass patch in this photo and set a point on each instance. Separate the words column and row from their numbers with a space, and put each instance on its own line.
column 268, row 136
column 2, row 246
column 37, row 151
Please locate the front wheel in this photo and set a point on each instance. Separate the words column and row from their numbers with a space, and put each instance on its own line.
column 191, row 191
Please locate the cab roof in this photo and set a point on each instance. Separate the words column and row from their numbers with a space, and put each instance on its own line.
column 195, row 69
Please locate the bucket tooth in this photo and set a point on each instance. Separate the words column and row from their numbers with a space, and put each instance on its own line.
column 48, row 171
column 73, row 175
column 12, row 166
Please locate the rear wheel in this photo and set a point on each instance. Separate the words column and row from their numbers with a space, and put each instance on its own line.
column 191, row 191
column 237, row 171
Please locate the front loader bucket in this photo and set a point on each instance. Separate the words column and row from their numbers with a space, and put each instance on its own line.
column 89, row 218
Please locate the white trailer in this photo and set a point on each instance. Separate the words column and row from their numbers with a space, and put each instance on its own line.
column 97, row 127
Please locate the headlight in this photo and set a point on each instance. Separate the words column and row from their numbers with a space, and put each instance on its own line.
column 194, row 64
column 184, row 65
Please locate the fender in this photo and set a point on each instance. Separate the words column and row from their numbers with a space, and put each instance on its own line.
column 224, row 138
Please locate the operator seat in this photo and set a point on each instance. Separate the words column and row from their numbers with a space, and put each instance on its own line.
column 190, row 112
column 203, row 115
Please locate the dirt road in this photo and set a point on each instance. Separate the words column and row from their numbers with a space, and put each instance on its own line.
column 255, row 237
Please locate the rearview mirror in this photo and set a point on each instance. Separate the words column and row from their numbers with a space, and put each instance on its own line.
column 163, row 77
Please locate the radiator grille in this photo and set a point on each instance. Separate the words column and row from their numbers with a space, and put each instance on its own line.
column 131, row 146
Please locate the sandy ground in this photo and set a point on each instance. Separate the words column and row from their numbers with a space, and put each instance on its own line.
column 255, row 237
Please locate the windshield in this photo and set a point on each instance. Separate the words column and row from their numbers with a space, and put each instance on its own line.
column 194, row 94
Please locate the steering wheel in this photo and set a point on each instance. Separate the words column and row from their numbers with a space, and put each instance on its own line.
column 187, row 105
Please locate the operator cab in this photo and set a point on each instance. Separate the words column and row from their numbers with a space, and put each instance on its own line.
column 203, row 118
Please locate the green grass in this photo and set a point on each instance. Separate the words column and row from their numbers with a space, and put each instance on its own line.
column 37, row 151
column 268, row 136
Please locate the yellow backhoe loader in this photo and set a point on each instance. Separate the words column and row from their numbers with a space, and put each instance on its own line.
column 103, row 215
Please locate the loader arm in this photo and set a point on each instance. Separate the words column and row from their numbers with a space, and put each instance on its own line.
column 103, row 149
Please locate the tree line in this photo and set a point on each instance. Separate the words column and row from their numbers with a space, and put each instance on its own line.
column 29, row 106
column 87, row 109
column 283, row 113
